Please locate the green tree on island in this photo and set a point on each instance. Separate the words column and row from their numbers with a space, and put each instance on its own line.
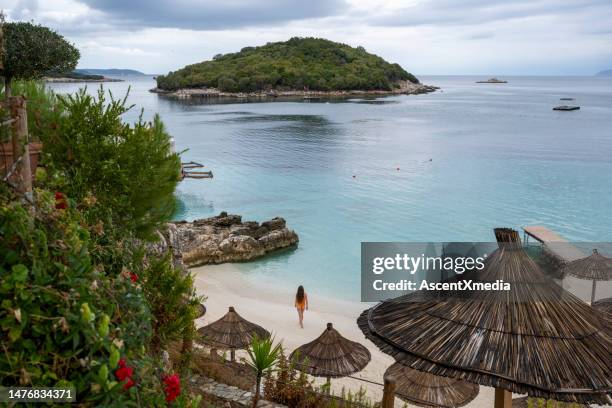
column 296, row 64
column 31, row 51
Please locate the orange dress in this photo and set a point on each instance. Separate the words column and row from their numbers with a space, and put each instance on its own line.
column 302, row 305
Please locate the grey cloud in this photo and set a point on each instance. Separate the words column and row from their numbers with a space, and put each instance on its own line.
column 208, row 15
column 451, row 12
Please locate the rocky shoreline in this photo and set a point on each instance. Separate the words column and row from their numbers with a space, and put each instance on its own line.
column 405, row 88
column 226, row 238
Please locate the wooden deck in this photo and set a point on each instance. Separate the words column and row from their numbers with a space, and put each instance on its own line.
column 554, row 244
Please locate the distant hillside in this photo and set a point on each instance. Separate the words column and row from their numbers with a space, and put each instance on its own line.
column 297, row 64
column 76, row 75
column 607, row 72
column 109, row 72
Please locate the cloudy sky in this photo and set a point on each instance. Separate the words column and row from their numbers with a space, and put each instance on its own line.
column 501, row 37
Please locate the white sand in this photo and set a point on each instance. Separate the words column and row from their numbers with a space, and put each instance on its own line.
column 272, row 308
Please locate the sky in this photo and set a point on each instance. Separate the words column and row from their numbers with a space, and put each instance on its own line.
column 426, row 37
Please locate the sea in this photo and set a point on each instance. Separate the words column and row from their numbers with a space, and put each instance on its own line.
column 439, row 167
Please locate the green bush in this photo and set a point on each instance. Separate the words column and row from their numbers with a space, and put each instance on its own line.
column 129, row 169
column 65, row 321
column 42, row 107
column 167, row 290
column 77, row 289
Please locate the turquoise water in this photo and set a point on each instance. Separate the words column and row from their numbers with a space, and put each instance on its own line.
column 470, row 158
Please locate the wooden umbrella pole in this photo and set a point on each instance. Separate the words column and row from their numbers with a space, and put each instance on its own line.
column 503, row 398
column 388, row 400
column 593, row 291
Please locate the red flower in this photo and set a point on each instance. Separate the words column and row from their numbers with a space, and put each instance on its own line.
column 173, row 387
column 123, row 373
column 128, row 384
column 133, row 277
column 60, row 201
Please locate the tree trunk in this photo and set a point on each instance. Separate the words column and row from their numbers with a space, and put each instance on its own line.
column 257, row 386
column 187, row 349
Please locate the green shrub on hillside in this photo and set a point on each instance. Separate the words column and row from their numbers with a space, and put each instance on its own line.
column 42, row 107
column 64, row 320
column 76, row 289
column 312, row 63
column 129, row 169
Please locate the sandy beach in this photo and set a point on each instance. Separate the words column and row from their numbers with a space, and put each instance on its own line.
column 272, row 308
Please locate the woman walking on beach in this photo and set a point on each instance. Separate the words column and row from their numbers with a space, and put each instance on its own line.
column 301, row 303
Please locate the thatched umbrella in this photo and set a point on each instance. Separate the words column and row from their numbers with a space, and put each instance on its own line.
column 534, row 338
column 428, row 390
column 604, row 308
column 595, row 267
column 231, row 332
column 331, row 356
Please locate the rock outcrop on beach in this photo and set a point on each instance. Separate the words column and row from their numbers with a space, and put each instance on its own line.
column 226, row 238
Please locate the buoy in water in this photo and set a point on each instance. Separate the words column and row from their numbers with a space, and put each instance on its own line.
column 354, row 176
column 397, row 168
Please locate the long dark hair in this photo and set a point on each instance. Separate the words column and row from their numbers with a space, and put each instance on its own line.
column 299, row 296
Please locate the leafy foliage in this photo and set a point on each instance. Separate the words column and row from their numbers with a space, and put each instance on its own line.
column 78, row 289
column 263, row 356
column 59, row 312
column 293, row 388
column 313, row 63
column 31, row 51
column 166, row 289
column 130, row 169
column 42, row 107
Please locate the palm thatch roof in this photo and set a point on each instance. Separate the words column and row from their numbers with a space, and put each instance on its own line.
column 331, row 355
column 428, row 390
column 231, row 332
column 534, row 339
column 593, row 267
column 604, row 308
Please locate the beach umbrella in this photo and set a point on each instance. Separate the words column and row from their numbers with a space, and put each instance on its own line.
column 604, row 308
column 331, row 356
column 595, row 267
column 231, row 332
column 428, row 390
column 534, row 338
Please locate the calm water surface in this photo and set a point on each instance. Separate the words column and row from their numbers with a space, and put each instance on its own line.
column 470, row 158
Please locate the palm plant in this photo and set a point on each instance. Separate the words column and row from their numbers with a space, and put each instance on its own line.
column 263, row 356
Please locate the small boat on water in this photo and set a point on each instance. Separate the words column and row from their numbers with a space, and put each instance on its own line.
column 566, row 108
column 566, row 99
column 492, row 81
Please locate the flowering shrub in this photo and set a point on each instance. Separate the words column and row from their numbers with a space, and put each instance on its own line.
column 59, row 312
column 76, row 289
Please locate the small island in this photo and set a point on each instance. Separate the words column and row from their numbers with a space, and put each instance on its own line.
column 306, row 67
column 492, row 81
column 92, row 75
